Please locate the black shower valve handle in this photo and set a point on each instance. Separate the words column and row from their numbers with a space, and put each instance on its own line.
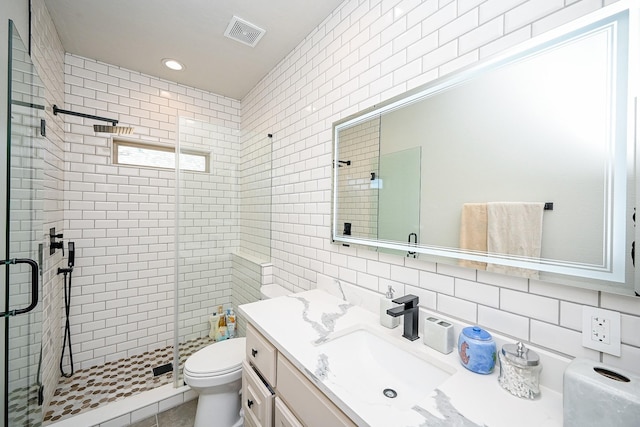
column 58, row 245
column 53, row 235
column 53, row 245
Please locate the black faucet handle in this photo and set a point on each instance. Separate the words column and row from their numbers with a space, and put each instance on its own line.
column 408, row 300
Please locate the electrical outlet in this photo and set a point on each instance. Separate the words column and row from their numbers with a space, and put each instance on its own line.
column 601, row 330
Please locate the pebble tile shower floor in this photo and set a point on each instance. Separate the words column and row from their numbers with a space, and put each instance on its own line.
column 90, row 388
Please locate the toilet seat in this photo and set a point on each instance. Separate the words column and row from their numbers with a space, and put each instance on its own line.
column 216, row 359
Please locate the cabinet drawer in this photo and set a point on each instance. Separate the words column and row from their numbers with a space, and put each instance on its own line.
column 283, row 417
column 310, row 405
column 261, row 354
column 257, row 399
column 249, row 423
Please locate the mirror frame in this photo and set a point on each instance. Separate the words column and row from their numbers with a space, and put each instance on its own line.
column 615, row 275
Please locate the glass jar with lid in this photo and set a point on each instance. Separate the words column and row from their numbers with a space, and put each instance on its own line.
column 520, row 371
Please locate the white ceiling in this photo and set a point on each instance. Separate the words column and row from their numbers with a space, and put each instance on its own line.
column 138, row 34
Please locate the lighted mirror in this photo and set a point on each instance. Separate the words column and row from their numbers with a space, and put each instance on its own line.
column 532, row 151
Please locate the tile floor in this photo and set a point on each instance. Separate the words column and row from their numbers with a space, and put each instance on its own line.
column 180, row 416
column 23, row 408
column 90, row 388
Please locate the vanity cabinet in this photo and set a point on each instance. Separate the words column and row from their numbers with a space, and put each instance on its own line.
column 283, row 417
column 311, row 406
column 257, row 398
column 276, row 393
column 261, row 354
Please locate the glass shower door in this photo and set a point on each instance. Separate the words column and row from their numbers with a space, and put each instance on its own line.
column 399, row 197
column 22, row 317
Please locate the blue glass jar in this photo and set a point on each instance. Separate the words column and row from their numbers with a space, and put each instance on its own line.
column 477, row 350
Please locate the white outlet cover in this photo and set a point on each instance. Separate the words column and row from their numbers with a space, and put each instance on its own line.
column 613, row 317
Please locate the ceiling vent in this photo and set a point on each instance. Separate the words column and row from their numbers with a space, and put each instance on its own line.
column 244, row 32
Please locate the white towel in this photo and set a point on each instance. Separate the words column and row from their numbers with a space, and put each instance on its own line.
column 514, row 228
column 473, row 232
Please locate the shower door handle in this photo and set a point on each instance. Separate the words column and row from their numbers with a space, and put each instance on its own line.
column 415, row 242
column 34, row 286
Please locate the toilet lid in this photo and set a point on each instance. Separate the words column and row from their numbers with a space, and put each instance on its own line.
column 217, row 359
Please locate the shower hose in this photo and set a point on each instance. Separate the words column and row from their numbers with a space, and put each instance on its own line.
column 67, row 329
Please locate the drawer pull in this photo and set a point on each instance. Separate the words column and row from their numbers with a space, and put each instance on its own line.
column 249, row 403
column 254, row 352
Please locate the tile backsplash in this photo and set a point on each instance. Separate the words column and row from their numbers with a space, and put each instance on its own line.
column 553, row 364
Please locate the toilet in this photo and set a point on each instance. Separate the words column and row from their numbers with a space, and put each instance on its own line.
column 273, row 291
column 215, row 373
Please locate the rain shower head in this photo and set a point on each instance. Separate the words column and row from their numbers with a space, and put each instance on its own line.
column 113, row 129
column 117, row 130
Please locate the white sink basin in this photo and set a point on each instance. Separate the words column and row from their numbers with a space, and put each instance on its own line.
column 378, row 370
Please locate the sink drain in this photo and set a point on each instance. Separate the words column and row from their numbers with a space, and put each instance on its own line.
column 389, row 392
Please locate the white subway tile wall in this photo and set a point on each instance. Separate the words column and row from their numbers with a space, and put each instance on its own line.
column 208, row 230
column 364, row 53
column 503, row 322
column 254, row 174
column 26, row 217
column 358, row 201
column 48, row 57
column 248, row 275
column 122, row 218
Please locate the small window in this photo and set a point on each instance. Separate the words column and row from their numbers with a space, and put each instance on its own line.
column 158, row 156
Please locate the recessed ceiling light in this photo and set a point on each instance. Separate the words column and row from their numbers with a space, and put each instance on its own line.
column 173, row 64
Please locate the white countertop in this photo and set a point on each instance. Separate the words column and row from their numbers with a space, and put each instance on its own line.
column 295, row 324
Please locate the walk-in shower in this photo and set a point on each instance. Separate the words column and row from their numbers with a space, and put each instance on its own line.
column 172, row 288
column 145, row 283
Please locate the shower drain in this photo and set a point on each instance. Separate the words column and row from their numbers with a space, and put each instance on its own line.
column 389, row 392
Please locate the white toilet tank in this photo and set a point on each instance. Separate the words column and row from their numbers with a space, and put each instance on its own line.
column 273, row 291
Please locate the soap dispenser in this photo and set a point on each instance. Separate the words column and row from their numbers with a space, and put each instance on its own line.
column 385, row 304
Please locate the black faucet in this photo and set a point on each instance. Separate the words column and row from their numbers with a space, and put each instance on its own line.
column 410, row 311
